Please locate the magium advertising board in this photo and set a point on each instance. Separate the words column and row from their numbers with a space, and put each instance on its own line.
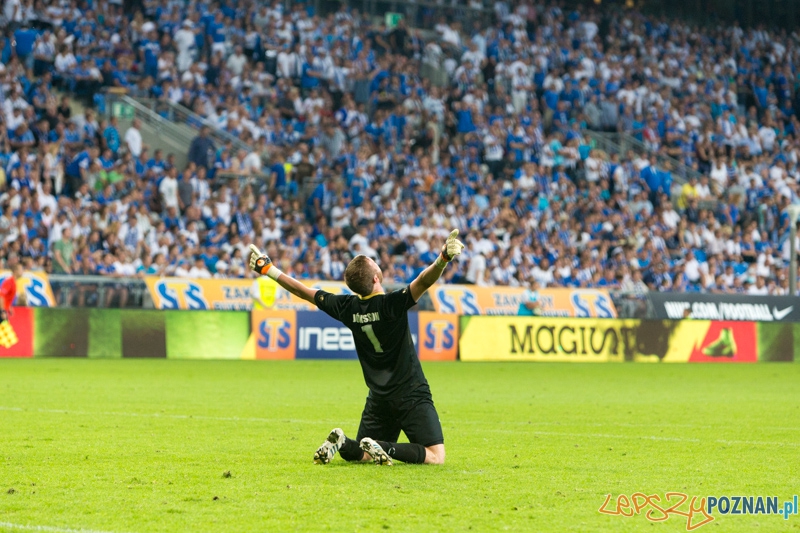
column 603, row 341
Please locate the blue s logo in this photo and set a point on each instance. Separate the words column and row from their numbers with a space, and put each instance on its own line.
column 592, row 304
column 180, row 294
column 457, row 301
column 36, row 293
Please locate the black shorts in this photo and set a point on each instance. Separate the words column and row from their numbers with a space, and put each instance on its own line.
column 413, row 414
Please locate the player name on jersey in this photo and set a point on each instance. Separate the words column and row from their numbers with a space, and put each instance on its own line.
column 366, row 318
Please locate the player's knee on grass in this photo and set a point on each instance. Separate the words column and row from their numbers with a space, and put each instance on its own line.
column 434, row 455
column 406, row 452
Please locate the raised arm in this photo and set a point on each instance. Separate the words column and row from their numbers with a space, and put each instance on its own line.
column 261, row 264
column 452, row 247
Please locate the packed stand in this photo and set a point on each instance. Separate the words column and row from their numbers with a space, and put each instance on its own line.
column 362, row 153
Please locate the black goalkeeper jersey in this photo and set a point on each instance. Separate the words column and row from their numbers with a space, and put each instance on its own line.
column 382, row 338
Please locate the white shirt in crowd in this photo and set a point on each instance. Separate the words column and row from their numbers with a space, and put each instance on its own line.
column 703, row 191
column 65, row 62
column 692, row 270
column 13, row 10
column 236, row 63
column 592, row 169
column 758, row 291
column 199, row 272
column 767, row 136
column 125, row 269
column 287, row 61
column 544, row 277
column 169, row 191
column 671, row 218
column 477, row 266
column 494, row 150
column 133, row 138
column 252, row 163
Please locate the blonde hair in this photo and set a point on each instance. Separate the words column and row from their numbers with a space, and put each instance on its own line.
column 359, row 275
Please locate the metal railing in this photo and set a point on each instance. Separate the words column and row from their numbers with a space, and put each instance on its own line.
column 622, row 143
column 162, row 126
column 425, row 14
column 100, row 291
column 179, row 114
column 258, row 181
column 632, row 304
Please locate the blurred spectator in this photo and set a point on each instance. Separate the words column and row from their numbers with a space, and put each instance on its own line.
column 64, row 252
column 202, row 149
column 133, row 138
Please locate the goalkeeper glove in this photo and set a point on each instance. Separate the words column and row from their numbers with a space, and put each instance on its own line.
column 451, row 248
column 261, row 264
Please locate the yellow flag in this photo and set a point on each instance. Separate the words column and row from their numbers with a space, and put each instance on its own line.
column 8, row 337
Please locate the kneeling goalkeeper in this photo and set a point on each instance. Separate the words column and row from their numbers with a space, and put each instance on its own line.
column 399, row 398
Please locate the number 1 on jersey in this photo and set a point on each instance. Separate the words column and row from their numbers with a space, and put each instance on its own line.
column 370, row 333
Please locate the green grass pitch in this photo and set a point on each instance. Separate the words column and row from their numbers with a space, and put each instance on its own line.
column 142, row 445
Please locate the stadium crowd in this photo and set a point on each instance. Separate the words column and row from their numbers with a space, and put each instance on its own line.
column 354, row 149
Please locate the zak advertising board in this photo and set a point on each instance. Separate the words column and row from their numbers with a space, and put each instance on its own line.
column 474, row 300
column 33, row 289
column 315, row 335
column 588, row 340
column 225, row 294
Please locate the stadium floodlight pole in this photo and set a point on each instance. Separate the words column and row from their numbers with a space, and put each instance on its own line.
column 794, row 212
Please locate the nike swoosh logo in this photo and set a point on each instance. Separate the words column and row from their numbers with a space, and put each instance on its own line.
column 780, row 315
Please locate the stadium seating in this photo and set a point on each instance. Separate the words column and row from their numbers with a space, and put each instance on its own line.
column 351, row 137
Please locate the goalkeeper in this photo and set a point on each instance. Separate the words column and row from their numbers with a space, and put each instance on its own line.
column 399, row 398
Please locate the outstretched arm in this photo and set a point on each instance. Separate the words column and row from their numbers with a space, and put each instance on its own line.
column 261, row 264
column 452, row 247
